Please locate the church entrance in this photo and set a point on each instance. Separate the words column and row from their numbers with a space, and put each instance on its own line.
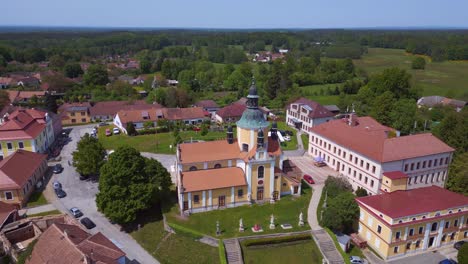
column 221, row 201
column 260, row 193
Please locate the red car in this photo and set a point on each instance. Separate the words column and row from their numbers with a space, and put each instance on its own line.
column 108, row 132
column 308, row 179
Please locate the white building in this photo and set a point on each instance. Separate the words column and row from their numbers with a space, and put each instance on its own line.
column 364, row 151
column 303, row 114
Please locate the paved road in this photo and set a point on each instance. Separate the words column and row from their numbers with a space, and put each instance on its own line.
column 425, row 258
column 82, row 195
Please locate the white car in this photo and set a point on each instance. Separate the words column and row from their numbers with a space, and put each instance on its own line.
column 357, row 260
column 115, row 131
column 287, row 138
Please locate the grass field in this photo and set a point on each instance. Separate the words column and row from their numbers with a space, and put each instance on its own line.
column 53, row 212
column 304, row 252
column 36, row 199
column 310, row 91
column 286, row 210
column 288, row 145
column 448, row 78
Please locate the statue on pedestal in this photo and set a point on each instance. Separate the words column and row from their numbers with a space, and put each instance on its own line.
column 241, row 225
column 301, row 219
column 272, row 222
column 218, row 231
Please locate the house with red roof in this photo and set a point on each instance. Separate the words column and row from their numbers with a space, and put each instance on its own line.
column 374, row 157
column 303, row 114
column 75, row 113
column 234, row 111
column 8, row 213
column 404, row 222
column 19, row 174
column 28, row 129
column 107, row 110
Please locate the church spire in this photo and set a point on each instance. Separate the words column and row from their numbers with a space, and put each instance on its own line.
column 252, row 98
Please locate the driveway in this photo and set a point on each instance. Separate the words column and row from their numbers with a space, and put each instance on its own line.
column 82, row 194
column 319, row 174
column 425, row 258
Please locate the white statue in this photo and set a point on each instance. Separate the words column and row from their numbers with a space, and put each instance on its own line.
column 241, row 225
column 272, row 222
column 301, row 219
column 272, row 197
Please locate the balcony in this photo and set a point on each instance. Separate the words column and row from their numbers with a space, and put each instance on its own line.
column 451, row 229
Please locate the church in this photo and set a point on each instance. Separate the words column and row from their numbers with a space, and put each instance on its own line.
column 236, row 171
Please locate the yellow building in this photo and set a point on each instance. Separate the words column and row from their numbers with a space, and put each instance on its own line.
column 410, row 221
column 75, row 113
column 26, row 129
column 233, row 172
column 19, row 174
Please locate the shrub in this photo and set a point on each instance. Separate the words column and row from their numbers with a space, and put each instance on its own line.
column 463, row 254
column 222, row 252
column 361, row 192
column 418, row 63
column 276, row 240
column 182, row 230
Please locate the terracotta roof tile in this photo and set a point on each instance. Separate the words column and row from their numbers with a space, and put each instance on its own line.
column 16, row 169
column 207, row 104
column 208, row 151
column 232, row 110
column 183, row 113
column 213, row 179
column 6, row 210
column 112, row 107
column 402, row 203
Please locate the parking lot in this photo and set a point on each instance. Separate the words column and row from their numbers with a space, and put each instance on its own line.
column 306, row 165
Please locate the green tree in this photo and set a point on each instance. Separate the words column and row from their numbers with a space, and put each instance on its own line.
column 361, row 192
column 394, row 80
column 131, row 131
column 458, row 177
column 56, row 61
column 96, row 75
column 453, row 130
column 50, row 103
column 418, row 63
column 4, row 98
column 403, row 115
column 382, row 108
column 344, row 208
column 204, row 130
column 89, row 155
column 145, row 64
column 73, row 70
column 129, row 184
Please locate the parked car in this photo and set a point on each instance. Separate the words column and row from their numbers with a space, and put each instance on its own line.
column 448, row 261
column 108, row 132
column 459, row 244
column 308, row 179
column 94, row 131
column 282, row 132
column 115, row 131
column 57, row 185
column 287, row 138
column 103, row 124
column 357, row 260
column 57, row 168
column 60, row 193
column 76, row 212
column 320, row 164
column 87, row 223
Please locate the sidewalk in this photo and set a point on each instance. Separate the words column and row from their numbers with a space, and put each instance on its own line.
column 37, row 209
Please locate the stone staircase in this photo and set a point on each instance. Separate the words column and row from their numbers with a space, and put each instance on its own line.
column 233, row 251
column 327, row 246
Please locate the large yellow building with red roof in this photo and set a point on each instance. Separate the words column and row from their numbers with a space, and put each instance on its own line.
column 236, row 171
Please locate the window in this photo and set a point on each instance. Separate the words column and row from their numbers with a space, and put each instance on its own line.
column 412, row 166
column 411, row 232
column 360, row 176
column 73, row 120
column 409, row 181
column 441, row 161
column 424, row 164
column 354, row 174
column 397, row 235
column 434, row 227
column 417, row 166
column 406, row 167
column 420, row 231
column 372, row 183
column 217, row 166
column 193, row 168
column 83, row 113
column 444, row 237
column 334, row 149
column 339, row 152
column 435, row 162
column 245, row 147
column 355, row 160
column 350, row 157
column 455, row 223
column 373, row 169
column 72, row 114
column 365, row 180
column 9, row 195
column 9, row 146
column 20, row 145
column 447, row 224
column 408, row 245
column 395, row 250
column 362, row 163
column 240, row 193
column 261, row 172
column 452, row 236
column 379, row 229
column 446, row 160
column 367, row 166
column 196, row 199
column 418, row 243
column 83, row 120
column 429, row 164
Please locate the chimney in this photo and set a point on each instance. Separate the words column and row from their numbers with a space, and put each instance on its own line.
column 352, row 119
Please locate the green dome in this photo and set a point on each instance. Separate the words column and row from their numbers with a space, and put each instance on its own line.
column 252, row 119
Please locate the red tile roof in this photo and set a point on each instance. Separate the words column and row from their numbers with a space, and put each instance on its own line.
column 232, row 110
column 6, row 210
column 395, row 175
column 416, row 201
column 213, row 179
column 318, row 111
column 183, row 113
column 369, row 138
column 69, row 244
column 208, row 151
column 207, row 104
column 17, row 168
column 73, row 106
column 23, row 124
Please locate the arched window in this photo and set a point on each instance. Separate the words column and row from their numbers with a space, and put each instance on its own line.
column 434, row 226
column 261, row 172
column 193, row 168
column 217, row 166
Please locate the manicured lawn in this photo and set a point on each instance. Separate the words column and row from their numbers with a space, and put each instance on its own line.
column 155, row 143
column 53, row 212
column 288, row 145
column 286, row 210
column 36, row 199
column 303, row 252
column 170, row 248
column 446, row 78
column 312, row 92
column 305, row 141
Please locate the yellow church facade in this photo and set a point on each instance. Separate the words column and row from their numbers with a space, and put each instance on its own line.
column 237, row 171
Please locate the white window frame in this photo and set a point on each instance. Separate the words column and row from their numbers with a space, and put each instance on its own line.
column 12, row 146
column 12, row 197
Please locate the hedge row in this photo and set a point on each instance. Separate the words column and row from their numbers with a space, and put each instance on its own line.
column 153, row 130
column 185, row 231
column 276, row 240
column 222, row 252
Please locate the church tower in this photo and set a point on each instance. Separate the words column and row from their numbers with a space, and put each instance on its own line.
column 251, row 123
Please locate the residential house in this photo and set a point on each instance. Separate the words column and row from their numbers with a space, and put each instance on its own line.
column 236, row 171
column 188, row 116
column 332, row 108
column 234, row 111
column 403, row 222
column 374, row 157
column 24, row 97
column 8, row 213
column 29, row 82
column 6, row 82
column 19, row 174
column 75, row 113
column 69, row 244
column 29, row 129
column 106, row 110
column 208, row 105
column 303, row 114
column 431, row 101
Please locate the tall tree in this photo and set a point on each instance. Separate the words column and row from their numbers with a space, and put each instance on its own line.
column 73, row 70
column 458, row 177
column 89, row 155
column 403, row 115
column 50, row 103
column 382, row 108
column 129, row 184
column 131, row 131
column 96, row 75
column 418, row 63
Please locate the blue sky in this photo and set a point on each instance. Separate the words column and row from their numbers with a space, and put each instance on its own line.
column 236, row 13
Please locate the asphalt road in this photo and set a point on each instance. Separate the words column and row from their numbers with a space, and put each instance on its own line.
column 82, row 194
